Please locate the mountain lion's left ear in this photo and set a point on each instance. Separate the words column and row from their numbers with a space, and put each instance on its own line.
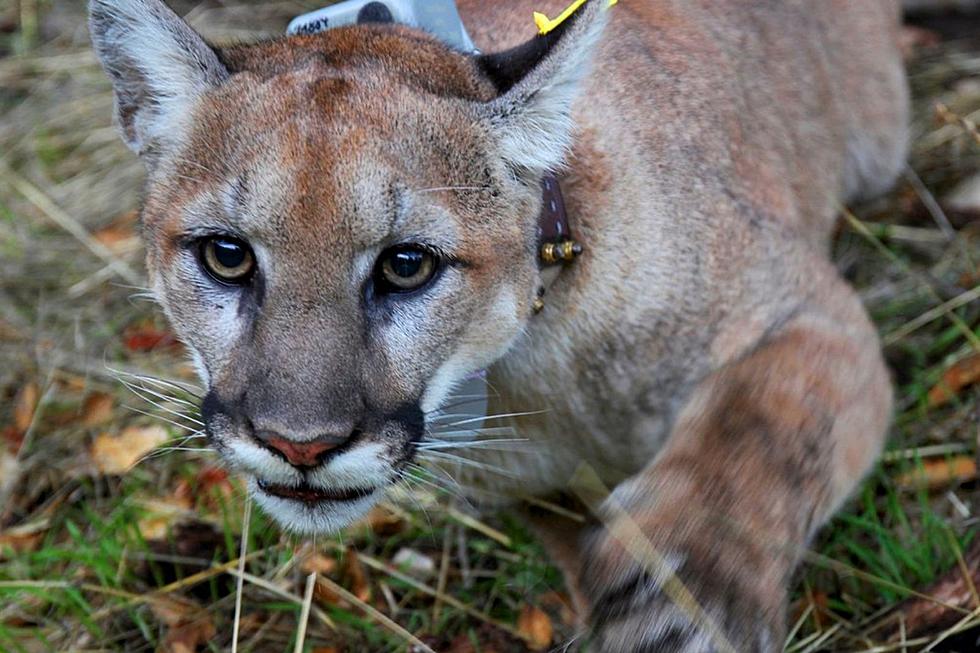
column 538, row 83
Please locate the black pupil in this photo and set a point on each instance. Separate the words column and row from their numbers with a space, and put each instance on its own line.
column 229, row 253
column 407, row 263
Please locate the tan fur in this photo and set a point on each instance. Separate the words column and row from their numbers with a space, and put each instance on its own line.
column 703, row 356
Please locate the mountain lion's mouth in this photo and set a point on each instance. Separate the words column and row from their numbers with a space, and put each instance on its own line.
column 310, row 494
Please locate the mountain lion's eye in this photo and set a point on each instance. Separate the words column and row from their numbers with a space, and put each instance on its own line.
column 228, row 260
column 404, row 269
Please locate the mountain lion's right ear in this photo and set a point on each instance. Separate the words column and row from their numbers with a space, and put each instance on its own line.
column 158, row 66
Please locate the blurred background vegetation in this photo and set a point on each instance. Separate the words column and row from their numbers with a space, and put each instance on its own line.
column 96, row 555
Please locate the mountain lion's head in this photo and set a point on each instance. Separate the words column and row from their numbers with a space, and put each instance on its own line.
column 341, row 228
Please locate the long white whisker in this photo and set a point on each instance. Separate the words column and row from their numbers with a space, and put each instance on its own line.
column 466, row 462
column 161, row 418
column 158, row 395
column 476, row 444
column 473, row 433
column 499, row 416
column 190, row 389
column 434, row 472
column 162, row 407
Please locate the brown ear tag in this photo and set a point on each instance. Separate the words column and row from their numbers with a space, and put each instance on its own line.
column 555, row 243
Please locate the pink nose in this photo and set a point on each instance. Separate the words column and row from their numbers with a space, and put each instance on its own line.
column 300, row 454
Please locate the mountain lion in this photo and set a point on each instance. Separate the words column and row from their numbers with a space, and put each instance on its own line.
column 345, row 226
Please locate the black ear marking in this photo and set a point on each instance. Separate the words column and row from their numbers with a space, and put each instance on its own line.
column 375, row 12
column 505, row 69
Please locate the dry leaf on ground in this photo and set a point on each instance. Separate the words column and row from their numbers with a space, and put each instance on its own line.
column 189, row 626
column 939, row 473
column 187, row 638
column 24, row 538
column 962, row 373
column 161, row 515
column 25, row 403
column 117, row 454
column 146, row 338
column 534, row 626
column 357, row 579
column 98, row 409
column 318, row 563
column 120, row 235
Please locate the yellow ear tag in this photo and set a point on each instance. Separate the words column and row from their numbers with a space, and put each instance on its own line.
column 545, row 24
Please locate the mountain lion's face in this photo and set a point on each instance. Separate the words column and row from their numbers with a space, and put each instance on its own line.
column 341, row 229
column 336, row 278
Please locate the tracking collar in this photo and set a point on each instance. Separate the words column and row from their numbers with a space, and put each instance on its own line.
column 440, row 18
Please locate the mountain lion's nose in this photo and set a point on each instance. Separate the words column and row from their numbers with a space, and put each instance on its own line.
column 301, row 454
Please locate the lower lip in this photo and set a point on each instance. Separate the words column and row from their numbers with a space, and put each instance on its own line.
column 312, row 495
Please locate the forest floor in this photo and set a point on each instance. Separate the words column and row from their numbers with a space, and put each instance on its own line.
column 96, row 554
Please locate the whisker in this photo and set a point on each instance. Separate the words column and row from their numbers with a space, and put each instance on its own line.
column 466, row 462
column 160, row 452
column 161, row 418
column 176, row 400
column 190, row 389
column 476, row 444
column 498, row 416
column 166, row 409
column 471, row 433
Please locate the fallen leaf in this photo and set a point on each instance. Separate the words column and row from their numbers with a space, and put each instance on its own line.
column 356, row 576
column 325, row 595
column 13, row 438
column 318, row 563
column 939, row 473
column 160, row 515
column 25, row 403
column 385, row 522
column 173, row 611
column 146, row 338
column 187, row 638
column 115, row 455
column 97, row 409
column 534, row 627
column 963, row 373
column 120, row 235
column 326, row 649
column 22, row 540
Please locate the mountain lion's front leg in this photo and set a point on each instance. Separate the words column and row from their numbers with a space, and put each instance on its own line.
column 697, row 550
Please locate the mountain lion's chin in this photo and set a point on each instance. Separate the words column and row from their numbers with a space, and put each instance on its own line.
column 312, row 510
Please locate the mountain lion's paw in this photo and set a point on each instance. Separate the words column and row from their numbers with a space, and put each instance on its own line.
column 672, row 602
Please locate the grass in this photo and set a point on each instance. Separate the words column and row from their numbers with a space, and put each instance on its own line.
column 138, row 561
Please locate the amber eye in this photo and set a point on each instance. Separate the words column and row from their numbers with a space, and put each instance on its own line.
column 404, row 269
column 228, row 260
